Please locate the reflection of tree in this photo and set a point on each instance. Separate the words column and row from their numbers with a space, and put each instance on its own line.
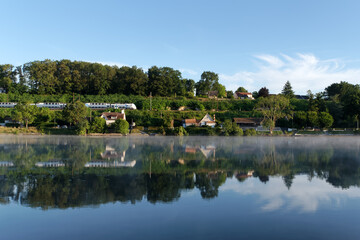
column 163, row 169
column 288, row 180
column 209, row 184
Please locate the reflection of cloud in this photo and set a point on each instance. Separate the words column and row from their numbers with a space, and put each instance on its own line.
column 304, row 71
column 303, row 195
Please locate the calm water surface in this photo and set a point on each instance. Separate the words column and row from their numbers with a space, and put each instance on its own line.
column 179, row 188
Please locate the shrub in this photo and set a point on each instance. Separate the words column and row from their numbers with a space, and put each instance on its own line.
column 121, row 126
column 250, row 132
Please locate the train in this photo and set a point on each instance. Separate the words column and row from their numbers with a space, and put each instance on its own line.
column 94, row 106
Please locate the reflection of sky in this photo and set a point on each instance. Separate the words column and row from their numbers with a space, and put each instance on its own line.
column 304, row 196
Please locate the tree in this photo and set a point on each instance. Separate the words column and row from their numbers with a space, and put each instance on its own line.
column 25, row 113
column 263, row 92
column 98, row 125
column 287, row 90
column 300, row 119
column 325, row 120
column 274, row 108
column 121, row 126
column 165, row 81
column 220, row 89
column 206, row 83
column 236, row 130
column 7, row 77
column 241, row 89
column 75, row 112
column 130, row 80
column 227, row 126
column 312, row 118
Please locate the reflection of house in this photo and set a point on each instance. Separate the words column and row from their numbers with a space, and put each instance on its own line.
column 6, row 164
column 248, row 122
column 111, row 117
column 207, row 151
column 50, row 164
column 110, row 153
column 205, row 121
column 113, row 164
column 243, row 176
column 243, row 95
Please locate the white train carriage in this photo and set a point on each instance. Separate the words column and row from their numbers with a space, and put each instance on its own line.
column 51, row 105
column 123, row 106
column 98, row 105
column 7, row 104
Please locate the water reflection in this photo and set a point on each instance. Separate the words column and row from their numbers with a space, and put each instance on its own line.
column 63, row 172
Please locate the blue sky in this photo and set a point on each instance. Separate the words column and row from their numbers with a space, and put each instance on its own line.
column 248, row 43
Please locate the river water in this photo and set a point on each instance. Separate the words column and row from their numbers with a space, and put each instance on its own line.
column 179, row 188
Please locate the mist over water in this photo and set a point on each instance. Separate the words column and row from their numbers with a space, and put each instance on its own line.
column 165, row 182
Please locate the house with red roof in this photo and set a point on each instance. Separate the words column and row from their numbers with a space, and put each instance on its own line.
column 207, row 120
column 111, row 117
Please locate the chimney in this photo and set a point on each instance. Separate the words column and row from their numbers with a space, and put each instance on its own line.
column 122, row 111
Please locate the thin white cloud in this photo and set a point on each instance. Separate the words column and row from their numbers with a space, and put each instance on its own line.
column 303, row 196
column 188, row 71
column 304, row 71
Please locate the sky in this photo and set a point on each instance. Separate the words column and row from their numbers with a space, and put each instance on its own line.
column 252, row 44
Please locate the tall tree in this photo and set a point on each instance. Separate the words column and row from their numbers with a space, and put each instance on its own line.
column 75, row 112
column 206, row 83
column 287, row 90
column 25, row 113
column 7, row 77
column 263, row 92
column 164, row 81
column 274, row 108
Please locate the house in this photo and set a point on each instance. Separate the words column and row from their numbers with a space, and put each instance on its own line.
column 205, row 121
column 246, row 123
column 111, row 117
column 243, row 95
column 212, row 94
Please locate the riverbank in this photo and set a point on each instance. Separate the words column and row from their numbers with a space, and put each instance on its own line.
column 71, row 132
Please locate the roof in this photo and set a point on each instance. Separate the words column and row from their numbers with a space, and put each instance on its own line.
column 248, row 120
column 243, row 93
column 191, row 120
column 116, row 115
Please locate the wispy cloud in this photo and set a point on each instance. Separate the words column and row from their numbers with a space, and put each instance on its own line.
column 188, row 72
column 304, row 71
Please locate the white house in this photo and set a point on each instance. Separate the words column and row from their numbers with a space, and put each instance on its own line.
column 111, row 117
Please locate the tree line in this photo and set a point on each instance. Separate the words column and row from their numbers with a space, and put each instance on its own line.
column 67, row 77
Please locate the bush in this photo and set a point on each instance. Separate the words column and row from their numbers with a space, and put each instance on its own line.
column 121, row 126
column 98, row 125
column 180, row 131
column 250, row 132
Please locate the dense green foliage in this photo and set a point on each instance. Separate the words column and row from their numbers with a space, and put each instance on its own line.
column 67, row 77
column 120, row 126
